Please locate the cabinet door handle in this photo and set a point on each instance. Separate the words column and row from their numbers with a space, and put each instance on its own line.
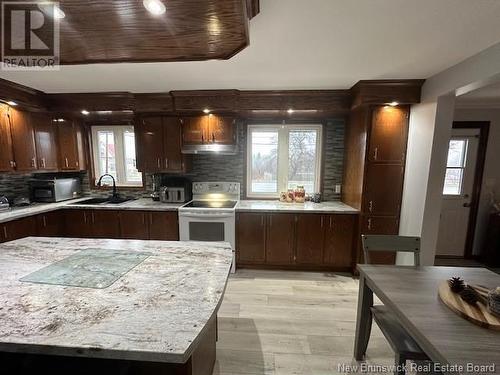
column 66, row 162
column 321, row 221
column 158, row 163
column 12, row 164
column 44, row 219
column 375, row 153
column 202, row 138
column 166, row 163
column 5, row 232
column 270, row 220
column 330, row 221
column 43, row 162
column 262, row 220
column 84, row 217
column 369, row 224
column 370, row 206
column 213, row 137
column 93, row 218
column 33, row 162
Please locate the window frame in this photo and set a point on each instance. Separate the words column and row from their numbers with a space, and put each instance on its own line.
column 118, row 133
column 283, row 153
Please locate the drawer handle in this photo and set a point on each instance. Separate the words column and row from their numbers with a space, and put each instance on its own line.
column 375, row 153
column 370, row 206
column 370, row 224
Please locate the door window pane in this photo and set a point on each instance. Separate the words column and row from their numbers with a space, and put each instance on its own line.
column 453, row 181
column 264, row 175
column 302, row 155
column 456, row 153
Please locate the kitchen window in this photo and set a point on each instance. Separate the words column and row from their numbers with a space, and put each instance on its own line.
column 113, row 148
column 280, row 157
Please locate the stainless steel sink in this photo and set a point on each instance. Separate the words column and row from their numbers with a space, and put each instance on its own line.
column 96, row 201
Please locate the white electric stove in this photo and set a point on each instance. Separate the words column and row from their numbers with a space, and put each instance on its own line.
column 211, row 215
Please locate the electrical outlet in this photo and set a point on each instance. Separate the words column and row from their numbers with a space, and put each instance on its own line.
column 337, row 188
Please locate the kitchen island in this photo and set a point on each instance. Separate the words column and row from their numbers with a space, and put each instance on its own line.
column 157, row 316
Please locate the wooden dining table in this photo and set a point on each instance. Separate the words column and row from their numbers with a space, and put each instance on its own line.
column 411, row 293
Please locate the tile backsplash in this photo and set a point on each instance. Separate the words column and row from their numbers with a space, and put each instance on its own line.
column 213, row 168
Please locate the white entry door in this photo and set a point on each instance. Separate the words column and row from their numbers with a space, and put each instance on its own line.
column 457, row 192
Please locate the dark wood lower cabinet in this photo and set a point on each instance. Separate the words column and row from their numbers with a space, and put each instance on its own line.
column 339, row 240
column 104, row 224
column 251, row 238
column 296, row 241
column 309, row 239
column 380, row 225
column 280, row 238
column 13, row 230
column 134, row 225
column 50, row 224
column 163, row 226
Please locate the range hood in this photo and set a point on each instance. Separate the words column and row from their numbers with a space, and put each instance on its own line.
column 211, row 148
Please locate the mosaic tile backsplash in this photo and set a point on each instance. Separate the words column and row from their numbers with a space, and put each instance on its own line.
column 214, row 168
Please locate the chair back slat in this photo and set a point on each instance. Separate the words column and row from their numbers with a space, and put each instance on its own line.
column 391, row 243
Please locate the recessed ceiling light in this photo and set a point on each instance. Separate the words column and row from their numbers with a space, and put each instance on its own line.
column 290, row 111
column 393, row 104
column 84, row 112
column 155, row 7
column 206, row 110
column 12, row 103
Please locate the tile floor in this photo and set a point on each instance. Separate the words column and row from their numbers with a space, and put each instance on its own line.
column 291, row 323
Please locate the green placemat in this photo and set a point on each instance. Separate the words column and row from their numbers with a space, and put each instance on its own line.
column 91, row 268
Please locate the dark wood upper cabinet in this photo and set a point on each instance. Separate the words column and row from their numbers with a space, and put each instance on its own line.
column 221, row 129
column 388, row 134
column 7, row 162
column 158, row 145
column 339, row 240
column 71, row 146
column 251, row 238
column 174, row 159
column 46, row 141
column 309, row 239
column 163, row 226
column 280, row 239
column 195, row 130
column 150, row 138
column 384, row 187
column 23, row 141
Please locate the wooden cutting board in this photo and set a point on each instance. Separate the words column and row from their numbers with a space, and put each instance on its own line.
column 477, row 314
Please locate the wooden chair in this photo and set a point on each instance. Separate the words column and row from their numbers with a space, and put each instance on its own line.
column 403, row 345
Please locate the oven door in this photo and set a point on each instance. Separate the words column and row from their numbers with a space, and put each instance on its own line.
column 194, row 226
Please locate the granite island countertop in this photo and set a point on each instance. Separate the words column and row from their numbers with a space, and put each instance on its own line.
column 154, row 312
column 307, row 207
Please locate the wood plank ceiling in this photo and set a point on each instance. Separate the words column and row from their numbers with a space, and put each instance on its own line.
column 124, row 31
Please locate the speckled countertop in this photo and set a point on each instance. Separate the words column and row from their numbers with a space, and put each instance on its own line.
column 153, row 313
column 39, row 208
column 307, row 207
column 150, row 205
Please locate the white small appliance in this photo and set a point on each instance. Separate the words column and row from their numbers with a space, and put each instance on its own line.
column 211, row 215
